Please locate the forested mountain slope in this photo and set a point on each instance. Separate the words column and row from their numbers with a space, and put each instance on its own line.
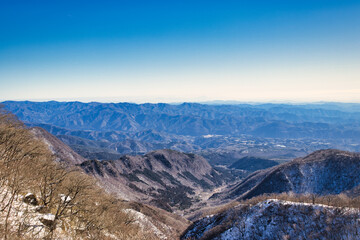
column 322, row 172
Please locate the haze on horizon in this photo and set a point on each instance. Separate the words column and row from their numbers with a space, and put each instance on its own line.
column 173, row 51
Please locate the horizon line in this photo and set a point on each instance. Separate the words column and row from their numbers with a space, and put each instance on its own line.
column 207, row 102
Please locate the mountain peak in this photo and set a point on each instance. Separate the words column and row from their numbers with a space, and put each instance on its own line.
column 322, row 172
column 322, row 154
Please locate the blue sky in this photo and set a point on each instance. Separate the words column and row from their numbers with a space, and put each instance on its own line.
column 170, row 51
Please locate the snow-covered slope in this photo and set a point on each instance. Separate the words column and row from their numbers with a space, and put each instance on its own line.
column 277, row 219
column 29, row 219
column 33, row 221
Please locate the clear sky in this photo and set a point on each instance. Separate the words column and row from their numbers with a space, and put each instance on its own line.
column 170, row 51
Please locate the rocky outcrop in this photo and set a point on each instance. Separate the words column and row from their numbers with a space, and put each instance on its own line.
column 30, row 198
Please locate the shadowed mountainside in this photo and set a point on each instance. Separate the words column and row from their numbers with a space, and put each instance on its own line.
column 164, row 178
column 322, row 172
column 252, row 164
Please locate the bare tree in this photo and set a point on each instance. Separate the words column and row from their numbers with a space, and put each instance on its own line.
column 69, row 195
column 18, row 149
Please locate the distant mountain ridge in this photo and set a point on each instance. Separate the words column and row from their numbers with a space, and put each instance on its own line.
column 104, row 131
column 185, row 119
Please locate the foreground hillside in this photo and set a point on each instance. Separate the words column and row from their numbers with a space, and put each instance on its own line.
column 322, row 172
column 278, row 219
column 42, row 195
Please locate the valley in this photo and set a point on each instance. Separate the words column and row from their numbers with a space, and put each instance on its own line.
column 206, row 185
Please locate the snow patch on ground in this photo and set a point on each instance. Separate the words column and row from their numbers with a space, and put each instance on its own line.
column 48, row 216
column 146, row 224
column 277, row 219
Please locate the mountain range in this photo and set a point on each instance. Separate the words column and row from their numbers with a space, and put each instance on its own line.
column 222, row 133
column 166, row 161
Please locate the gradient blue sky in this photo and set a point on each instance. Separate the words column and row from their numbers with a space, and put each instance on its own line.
column 170, row 51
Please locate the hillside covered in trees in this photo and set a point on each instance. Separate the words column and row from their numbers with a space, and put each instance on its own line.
column 40, row 197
